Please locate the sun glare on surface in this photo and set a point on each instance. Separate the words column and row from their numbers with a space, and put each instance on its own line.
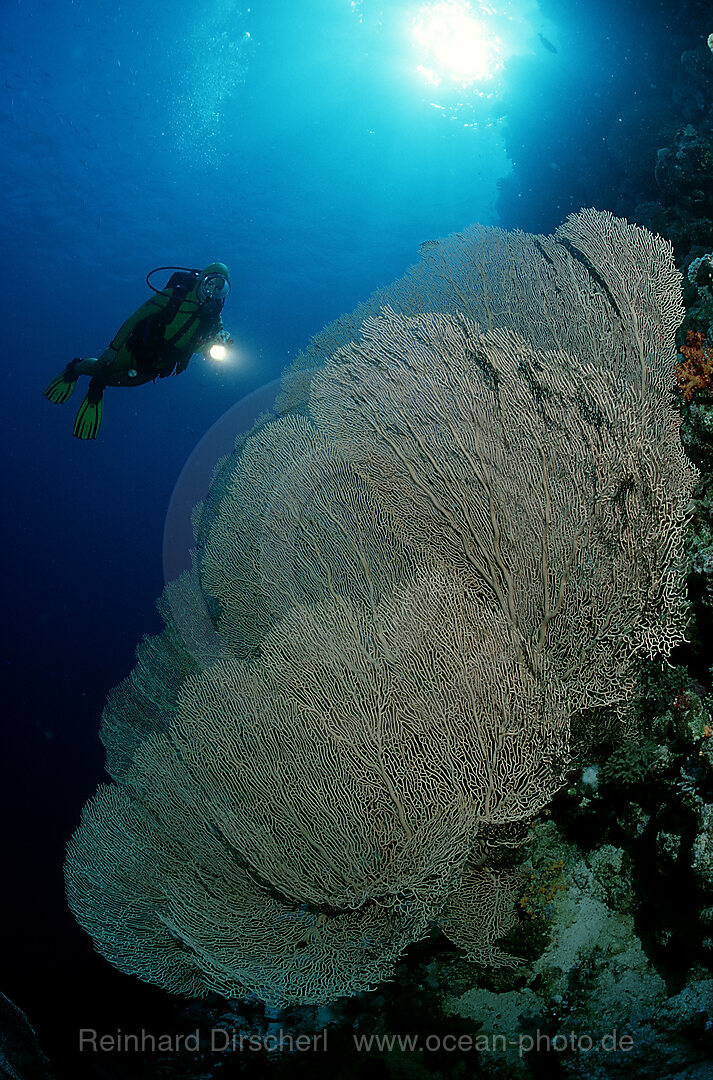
column 456, row 43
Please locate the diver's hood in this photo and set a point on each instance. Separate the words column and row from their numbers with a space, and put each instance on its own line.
column 216, row 268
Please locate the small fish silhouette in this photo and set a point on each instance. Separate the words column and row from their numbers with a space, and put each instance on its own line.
column 548, row 44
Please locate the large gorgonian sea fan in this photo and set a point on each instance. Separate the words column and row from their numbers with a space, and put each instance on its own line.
column 461, row 532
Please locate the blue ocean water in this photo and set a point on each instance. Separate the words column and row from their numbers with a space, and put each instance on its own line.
column 311, row 146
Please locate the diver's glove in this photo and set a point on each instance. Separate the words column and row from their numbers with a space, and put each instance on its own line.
column 222, row 340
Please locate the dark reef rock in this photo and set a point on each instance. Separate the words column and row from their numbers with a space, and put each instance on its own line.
column 684, row 171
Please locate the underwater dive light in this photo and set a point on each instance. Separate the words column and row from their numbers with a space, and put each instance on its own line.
column 217, row 352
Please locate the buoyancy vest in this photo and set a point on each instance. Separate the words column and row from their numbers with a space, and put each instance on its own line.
column 165, row 331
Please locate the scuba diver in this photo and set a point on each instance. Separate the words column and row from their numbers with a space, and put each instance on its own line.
column 157, row 340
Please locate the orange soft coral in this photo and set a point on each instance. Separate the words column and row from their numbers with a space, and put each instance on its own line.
column 695, row 372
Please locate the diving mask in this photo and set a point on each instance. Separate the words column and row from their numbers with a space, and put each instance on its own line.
column 213, row 287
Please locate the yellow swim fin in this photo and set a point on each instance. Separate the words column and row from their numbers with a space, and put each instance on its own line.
column 60, row 388
column 89, row 416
